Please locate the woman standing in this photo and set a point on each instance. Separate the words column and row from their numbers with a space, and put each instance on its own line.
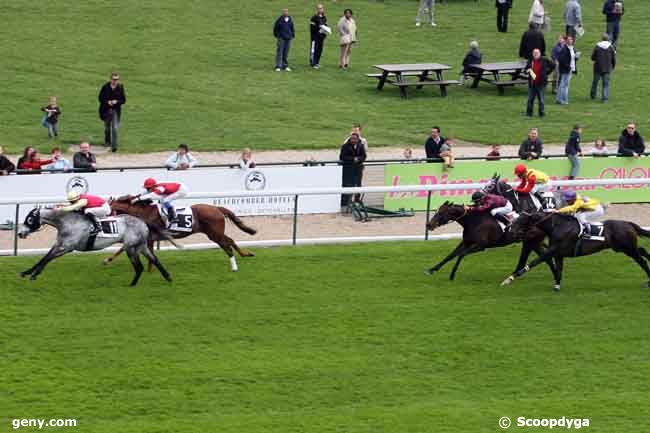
column 347, row 29
column 537, row 15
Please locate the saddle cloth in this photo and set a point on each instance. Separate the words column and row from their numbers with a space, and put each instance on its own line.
column 184, row 220
column 593, row 232
column 110, row 228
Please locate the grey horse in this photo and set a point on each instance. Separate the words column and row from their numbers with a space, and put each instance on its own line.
column 73, row 234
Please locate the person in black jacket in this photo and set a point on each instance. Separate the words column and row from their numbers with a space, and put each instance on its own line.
column 604, row 58
column 567, row 61
column 6, row 166
column 111, row 98
column 630, row 143
column 573, row 150
column 318, row 31
column 503, row 8
column 352, row 156
column 284, row 32
column 532, row 147
column 614, row 11
column 473, row 57
column 538, row 69
column 433, row 145
column 531, row 39
column 84, row 160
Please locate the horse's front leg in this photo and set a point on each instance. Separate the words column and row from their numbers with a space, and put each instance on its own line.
column 29, row 271
column 109, row 260
column 56, row 251
column 451, row 256
column 548, row 255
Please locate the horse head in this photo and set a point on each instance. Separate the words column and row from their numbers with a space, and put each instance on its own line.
column 31, row 224
column 446, row 213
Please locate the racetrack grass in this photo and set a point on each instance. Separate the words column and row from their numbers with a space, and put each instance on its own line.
column 324, row 339
column 202, row 73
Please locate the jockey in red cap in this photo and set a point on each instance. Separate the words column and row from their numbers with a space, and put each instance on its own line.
column 165, row 192
column 532, row 182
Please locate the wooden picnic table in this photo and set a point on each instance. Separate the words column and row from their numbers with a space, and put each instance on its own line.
column 513, row 72
column 396, row 74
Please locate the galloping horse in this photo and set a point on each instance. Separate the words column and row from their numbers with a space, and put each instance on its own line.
column 73, row 234
column 481, row 231
column 520, row 202
column 207, row 219
column 564, row 233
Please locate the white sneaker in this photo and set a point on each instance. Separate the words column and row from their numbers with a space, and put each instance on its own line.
column 288, row 69
column 433, row 24
column 417, row 24
column 278, row 69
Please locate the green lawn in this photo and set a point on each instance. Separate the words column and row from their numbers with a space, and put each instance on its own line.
column 324, row 339
column 201, row 72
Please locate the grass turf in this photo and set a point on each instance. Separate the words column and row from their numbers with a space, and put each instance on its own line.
column 201, row 73
column 324, row 339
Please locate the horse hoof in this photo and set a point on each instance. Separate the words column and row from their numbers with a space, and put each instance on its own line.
column 428, row 272
column 32, row 278
column 508, row 281
column 23, row 274
column 556, row 287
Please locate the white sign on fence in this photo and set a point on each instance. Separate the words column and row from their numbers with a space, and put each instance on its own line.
column 116, row 183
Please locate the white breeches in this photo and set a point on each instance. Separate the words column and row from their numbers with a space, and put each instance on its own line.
column 502, row 210
column 540, row 187
column 182, row 192
column 99, row 212
column 586, row 217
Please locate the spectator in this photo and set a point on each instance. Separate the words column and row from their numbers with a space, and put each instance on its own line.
column 532, row 147
column 51, row 118
column 426, row 6
column 433, row 144
column 182, row 159
column 567, row 61
column 446, row 153
column 614, row 11
column 59, row 163
column 111, row 98
column 630, row 143
column 532, row 39
column 27, row 155
column 473, row 57
column 246, row 160
column 352, row 156
column 572, row 17
column 347, row 29
column 284, row 32
column 503, row 8
column 537, row 15
column 573, row 150
column 34, row 163
column 318, row 32
column 408, row 152
column 604, row 58
column 6, row 166
column 600, row 148
column 494, row 154
column 537, row 69
column 84, row 159
column 555, row 53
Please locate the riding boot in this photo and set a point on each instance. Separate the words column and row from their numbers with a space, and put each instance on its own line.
column 171, row 214
column 97, row 226
column 503, row 218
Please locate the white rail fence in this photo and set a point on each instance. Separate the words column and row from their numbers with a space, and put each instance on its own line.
column 294, row 240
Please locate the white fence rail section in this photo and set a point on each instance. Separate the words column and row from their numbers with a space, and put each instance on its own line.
column 297, row 193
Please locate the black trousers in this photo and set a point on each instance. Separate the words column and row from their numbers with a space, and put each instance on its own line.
column 352, row 176
column 502, row 18
column 316, row 50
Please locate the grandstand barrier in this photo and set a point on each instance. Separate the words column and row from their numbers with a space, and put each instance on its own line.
column 428, row 190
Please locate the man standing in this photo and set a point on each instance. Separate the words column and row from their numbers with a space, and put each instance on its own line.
column 567, row 67
column 572, row 17
column 503, row 8
column 284, row 32
column 614, row 10
column 426, row 6
column 532, row 39
column 604, row 58
column 352, row 156
column 433, row 144
column 318, row 30
column 111, row 98
column 537, row 69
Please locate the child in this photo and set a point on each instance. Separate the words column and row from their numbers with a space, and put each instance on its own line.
column 408, row 152
column 51, row 118
column 600, row 148
column 494, row 154
column 446, row 153
column 246, row 161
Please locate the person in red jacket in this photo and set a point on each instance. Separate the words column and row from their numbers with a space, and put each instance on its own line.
column 92, row 206
column 533, row 183
column 34, row 162
column 165, row 192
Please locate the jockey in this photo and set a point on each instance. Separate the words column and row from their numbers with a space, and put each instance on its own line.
column 583, row 208
column 498, row 206
column 532, row 183
column 166, row 192
column 90, row 205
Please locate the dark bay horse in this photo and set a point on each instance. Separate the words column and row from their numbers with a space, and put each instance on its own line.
column 520, row 202
column 207, row 219
column 481, row 231
column 564, row 234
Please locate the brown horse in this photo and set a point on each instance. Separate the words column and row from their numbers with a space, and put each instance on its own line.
column 207, row 219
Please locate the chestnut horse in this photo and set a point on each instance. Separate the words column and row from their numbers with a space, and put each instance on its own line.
column 207, row 219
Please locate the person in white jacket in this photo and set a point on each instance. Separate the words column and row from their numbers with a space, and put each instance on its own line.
column 181, row 160
column 537, row 13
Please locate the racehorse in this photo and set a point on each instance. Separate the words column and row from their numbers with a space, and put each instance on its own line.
column 564, row 232
column 73, row 234
column 207, row 219
column 482, row 231
column 520, row 202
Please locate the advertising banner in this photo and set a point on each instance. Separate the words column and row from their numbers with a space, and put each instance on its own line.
column 465, row 172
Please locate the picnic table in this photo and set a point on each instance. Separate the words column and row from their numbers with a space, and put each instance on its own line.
column 427, row 74
column 504, row 74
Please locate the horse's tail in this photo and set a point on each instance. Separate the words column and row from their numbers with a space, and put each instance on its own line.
column 640, row 230
column 237, row 221
column 164, row 235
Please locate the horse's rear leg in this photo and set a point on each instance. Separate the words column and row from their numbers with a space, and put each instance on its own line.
column 150, row 246
column 137, row 264
column 226, row 245
column 153, row 260
column 449, row 257
column 638, row 255
column 455, row 268
column 242, row 253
